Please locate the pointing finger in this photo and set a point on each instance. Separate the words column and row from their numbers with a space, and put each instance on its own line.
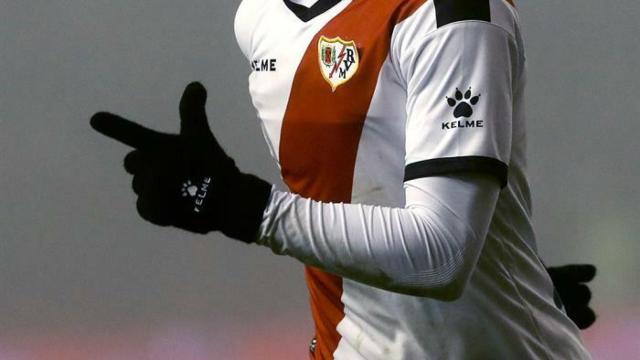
column 125, row 131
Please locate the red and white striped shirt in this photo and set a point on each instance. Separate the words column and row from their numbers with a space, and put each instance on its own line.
column 398, row 127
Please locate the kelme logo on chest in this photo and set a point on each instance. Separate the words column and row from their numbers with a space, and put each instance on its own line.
column 339, row 60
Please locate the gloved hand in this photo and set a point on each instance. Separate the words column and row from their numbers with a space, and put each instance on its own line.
column 187, row 180
column 570, row 283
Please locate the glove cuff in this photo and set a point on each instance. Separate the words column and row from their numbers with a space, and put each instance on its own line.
column 242, row 206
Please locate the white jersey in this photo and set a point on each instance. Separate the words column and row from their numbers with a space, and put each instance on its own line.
column 360, row 102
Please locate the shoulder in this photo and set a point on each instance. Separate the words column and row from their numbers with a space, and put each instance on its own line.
column 445, row 17
column 247, row 18
column 435, row 14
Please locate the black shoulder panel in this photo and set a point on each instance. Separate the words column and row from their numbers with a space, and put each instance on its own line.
column 449, row 11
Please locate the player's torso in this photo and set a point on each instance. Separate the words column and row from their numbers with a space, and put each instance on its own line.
column 328, row 99
column 336, row 132
column 333, row 111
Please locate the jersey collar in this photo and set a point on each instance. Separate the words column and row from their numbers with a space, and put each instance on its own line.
column 307, row 13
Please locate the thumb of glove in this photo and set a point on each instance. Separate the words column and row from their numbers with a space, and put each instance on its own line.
column 193, row 116
column 198, row 139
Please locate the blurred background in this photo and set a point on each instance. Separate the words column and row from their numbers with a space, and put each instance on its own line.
column 83, row 277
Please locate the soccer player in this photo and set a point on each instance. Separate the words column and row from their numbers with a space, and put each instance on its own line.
column 399, row 130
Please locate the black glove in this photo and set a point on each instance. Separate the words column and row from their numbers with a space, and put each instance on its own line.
column 187, row 180
column 569, row 281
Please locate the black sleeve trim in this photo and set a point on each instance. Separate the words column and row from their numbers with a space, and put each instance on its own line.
column 452, row 165
column 450, row 11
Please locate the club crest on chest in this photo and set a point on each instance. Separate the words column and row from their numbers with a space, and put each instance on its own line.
column 338, row 59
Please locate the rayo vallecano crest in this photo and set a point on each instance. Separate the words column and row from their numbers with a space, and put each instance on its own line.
column 339, row 60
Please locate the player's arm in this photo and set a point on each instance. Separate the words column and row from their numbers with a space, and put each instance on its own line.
column 428, row 248
column 453, row 174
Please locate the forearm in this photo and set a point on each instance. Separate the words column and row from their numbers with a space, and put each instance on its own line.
column 428, row 248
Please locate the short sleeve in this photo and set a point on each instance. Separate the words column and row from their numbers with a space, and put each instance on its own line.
column 460, row 84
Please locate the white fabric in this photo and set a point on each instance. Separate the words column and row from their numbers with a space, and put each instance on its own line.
column 428, row 248
column 261, row 27
column 307, row 3
column 506, row 310
column 477, row 58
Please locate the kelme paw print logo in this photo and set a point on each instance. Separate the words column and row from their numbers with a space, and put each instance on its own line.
column 463, row 103
column 188, row 189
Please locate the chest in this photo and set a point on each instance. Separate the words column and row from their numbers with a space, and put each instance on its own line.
column 318, row 76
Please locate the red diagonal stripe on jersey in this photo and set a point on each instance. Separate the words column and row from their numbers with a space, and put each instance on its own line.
column 321, row 131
